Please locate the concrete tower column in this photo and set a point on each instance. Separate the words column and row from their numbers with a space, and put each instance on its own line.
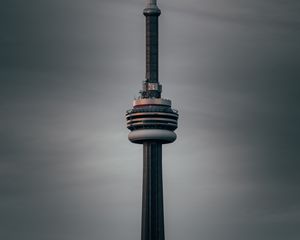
column 152, row 210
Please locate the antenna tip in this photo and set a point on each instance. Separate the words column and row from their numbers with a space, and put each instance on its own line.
column 151, row 3
column 151, row 8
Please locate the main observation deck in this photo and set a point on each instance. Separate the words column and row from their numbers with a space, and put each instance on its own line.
column 152, row 119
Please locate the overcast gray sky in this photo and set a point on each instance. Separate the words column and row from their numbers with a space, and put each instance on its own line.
column 69, row 69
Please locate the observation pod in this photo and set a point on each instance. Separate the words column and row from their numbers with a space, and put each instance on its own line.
column 152, row 119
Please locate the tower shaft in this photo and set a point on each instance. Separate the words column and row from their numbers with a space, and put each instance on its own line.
column 152, row 210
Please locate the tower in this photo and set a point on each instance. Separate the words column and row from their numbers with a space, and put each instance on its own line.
column 152, row 122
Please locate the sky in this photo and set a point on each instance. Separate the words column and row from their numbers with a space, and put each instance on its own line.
column 69, row 70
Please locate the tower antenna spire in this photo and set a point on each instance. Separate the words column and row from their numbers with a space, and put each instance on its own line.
column 151, row 86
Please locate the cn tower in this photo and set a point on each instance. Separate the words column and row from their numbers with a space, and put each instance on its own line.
column 152, row 122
